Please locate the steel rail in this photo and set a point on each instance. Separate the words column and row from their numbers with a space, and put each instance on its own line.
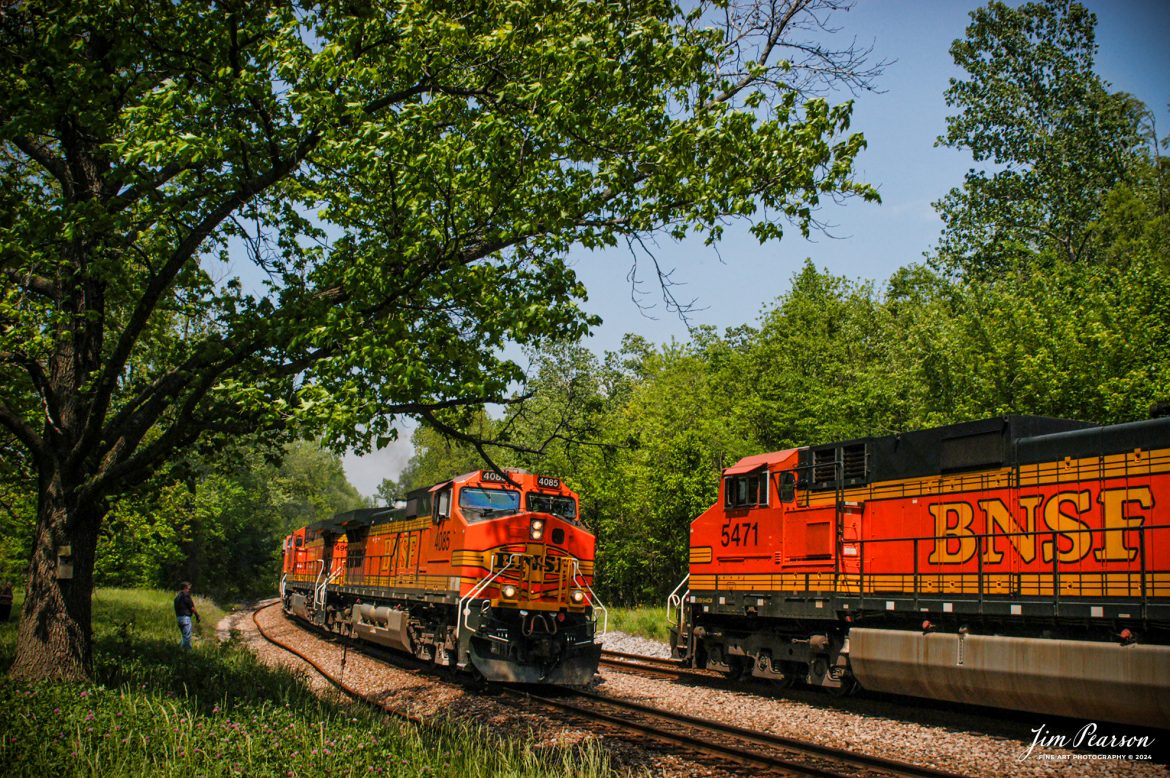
column 798, row 757
column 791, row 746
column 339, row 684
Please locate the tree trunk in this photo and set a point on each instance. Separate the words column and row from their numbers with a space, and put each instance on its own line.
column 55, row 639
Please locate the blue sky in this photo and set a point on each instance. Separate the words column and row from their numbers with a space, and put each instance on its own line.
column 868, row 241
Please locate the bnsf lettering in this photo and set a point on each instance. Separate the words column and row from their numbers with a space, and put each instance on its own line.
column 548, row 564
column 1065, row 534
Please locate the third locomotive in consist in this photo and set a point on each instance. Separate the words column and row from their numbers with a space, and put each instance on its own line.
column 1019, row 562
column 489, row 573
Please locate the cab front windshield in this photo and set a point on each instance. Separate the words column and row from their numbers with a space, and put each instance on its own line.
column 479, row 504
column 565, row 507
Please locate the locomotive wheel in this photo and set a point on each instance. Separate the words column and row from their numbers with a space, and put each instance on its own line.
column 737, row 668
column 787, row 682
column 847, row 688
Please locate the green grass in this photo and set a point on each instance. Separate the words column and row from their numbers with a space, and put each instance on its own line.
column 648, row 621
column 154, row 710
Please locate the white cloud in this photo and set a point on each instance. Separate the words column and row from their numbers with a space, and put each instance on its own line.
column 367, row 472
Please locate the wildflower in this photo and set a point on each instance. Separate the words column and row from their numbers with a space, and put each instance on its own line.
column 85, row 694
column 56, row 711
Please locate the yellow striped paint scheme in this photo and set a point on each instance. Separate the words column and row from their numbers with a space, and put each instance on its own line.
column 1036, row 584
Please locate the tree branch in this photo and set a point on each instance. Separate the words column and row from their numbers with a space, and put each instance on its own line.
column 43, row 157
column 20, row 429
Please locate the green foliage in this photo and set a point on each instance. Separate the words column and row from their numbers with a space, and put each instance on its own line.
column 458, row 152
column 647, row 621
column 308, row 485
column 822, row 365
column 17, row 513
column 1075, row 341
column 222, row 524
column 218, row 711
column 1056, row 139
column 402, row 184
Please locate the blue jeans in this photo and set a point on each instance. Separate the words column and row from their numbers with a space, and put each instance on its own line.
column 185, row 628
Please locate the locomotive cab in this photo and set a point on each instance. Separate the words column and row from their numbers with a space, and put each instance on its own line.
column 765, row 526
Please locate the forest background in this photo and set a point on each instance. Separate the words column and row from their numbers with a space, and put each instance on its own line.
column 1047, row 293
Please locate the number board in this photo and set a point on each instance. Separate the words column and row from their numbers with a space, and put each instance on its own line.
column 545, row 482
column 492, row 475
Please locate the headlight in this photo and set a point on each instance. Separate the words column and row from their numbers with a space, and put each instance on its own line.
column 508, row 592
column 536, row 529
column 577, row 596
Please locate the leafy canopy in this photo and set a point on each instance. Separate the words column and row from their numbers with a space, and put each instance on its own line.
column 1053, row 136
column 240, row 217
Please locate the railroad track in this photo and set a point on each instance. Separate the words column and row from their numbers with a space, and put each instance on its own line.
column 733, row 747
column 655, row 667
column 744, row 747
column 339, row 684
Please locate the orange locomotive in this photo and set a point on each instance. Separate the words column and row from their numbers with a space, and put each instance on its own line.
column 486, row 572
column 1021, row 562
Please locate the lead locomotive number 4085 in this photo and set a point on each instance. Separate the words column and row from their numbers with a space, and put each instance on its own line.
column 487, row 572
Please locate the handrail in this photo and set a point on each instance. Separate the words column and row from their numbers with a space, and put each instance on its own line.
column 321, row 583
column 593, row 599
column 281, row 586
column 462, row 621
column 676, row 599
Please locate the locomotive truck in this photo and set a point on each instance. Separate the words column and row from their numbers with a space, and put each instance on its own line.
column 1020, row 562
column 489, row 572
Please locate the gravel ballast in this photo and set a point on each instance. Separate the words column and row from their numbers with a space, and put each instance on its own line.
column 929, row 734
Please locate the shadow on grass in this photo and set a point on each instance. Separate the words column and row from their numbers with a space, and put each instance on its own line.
column 137, row 648
column 208, row 676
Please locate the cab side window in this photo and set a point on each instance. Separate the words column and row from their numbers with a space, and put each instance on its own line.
column 745, row 491
column 787, row 486
column 442, row 504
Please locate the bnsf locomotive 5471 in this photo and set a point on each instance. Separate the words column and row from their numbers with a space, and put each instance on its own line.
column 476, row 572
column 1020, row 562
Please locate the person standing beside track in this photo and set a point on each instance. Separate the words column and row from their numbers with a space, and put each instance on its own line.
column 5, row 601
column 184, row 610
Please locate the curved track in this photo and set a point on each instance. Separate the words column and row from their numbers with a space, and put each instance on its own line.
column 729, row 744
column 337, row 682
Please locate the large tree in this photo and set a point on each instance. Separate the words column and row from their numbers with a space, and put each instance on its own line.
column 219, row 218
column 1054, row 139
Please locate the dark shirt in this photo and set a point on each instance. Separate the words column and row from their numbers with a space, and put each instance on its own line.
column 184, row 605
